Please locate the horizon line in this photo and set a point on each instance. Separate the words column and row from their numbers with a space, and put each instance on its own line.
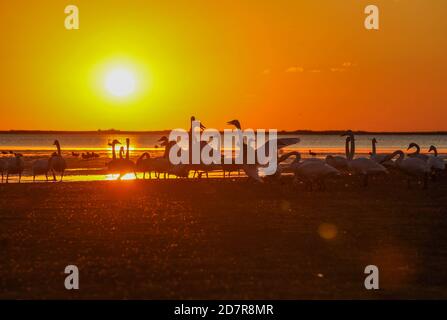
column 300, row 131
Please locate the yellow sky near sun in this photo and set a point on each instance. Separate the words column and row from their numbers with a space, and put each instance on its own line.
column 306, row 64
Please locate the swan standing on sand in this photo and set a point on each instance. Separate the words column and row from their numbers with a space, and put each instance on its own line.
column 3, row 166
column 339, row 162
column 252, row 170
column 58, row 162
column 41, row 166
column 417, row 153
column 15, row 165
column 311, row 171
column 436, row 164
column 413, row 167
column 145, row 164
column 379, row 158
column 363, row 166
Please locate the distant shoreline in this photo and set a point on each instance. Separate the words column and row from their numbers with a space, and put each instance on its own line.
column 282, row 132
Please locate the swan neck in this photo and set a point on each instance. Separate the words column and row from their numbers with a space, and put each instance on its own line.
column 347, row 147
column 58, row 146
column 285, row 156
column 113, row 151
column 127, row 151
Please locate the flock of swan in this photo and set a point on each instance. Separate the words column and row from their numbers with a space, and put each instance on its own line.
column 16, row 165
column 311, row 171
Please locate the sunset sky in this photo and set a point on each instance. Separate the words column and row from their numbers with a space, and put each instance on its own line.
column 294, row 64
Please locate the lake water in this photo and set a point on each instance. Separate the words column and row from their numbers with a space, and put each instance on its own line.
column 35, row 146
column 146, row 141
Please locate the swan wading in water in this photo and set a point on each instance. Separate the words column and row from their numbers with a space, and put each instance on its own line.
column 145, row 164
column 15, row 165
column 125, row 165
column 112, row 165
column 58, row 162
column 3, row 166
column 362, row 166
column 412, row 167
column 164, row 166
column 42, row 167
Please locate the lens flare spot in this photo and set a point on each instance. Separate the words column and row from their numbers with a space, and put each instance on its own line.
column 327, row 231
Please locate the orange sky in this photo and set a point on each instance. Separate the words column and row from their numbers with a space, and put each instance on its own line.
column 306, row 64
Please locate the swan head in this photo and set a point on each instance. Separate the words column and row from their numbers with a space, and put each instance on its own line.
column 56, row 143
column 201, row 125
column 433, row 148
column 374, row 140
column 235, row 123
column 114, row 142
column 348, row 133
column 390, row 157
column 164, row 141
column 413, row 145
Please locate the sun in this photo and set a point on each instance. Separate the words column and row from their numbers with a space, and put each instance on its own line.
column 120, row 82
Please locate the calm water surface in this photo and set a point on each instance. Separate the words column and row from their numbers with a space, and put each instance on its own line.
column 34, row 146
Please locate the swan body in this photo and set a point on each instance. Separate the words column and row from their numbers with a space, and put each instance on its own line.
column 339, row 162
column 42, row 166
column 312, row 171
column 145, row 164
column 124, row 164
column 3, row 166
column 252, row 170
column 363, row 166
column 436, row 163
column 15, row 165
column 412, row 166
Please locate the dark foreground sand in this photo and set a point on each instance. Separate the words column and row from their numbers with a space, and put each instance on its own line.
column 222, row 239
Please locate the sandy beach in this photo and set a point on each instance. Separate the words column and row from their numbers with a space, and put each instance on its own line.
column 216, row 239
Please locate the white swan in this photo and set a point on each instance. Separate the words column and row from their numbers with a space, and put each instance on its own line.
column 41, row 166
column 112, row 165
column 339, row 162
column 163, row 165
column 58, row 162
column 124, row 164
column 252, row 170
column 380, row 158
column 15, row 165
column 145, row 164
column 417, row 153
column 3, row 166
column 363, row 166
column 413, row 167
column 436, row 163
column 312, row 172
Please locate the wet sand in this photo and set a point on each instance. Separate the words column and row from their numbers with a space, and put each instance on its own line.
column 222, row 239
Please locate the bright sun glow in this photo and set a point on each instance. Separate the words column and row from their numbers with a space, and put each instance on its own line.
column 120, row 82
